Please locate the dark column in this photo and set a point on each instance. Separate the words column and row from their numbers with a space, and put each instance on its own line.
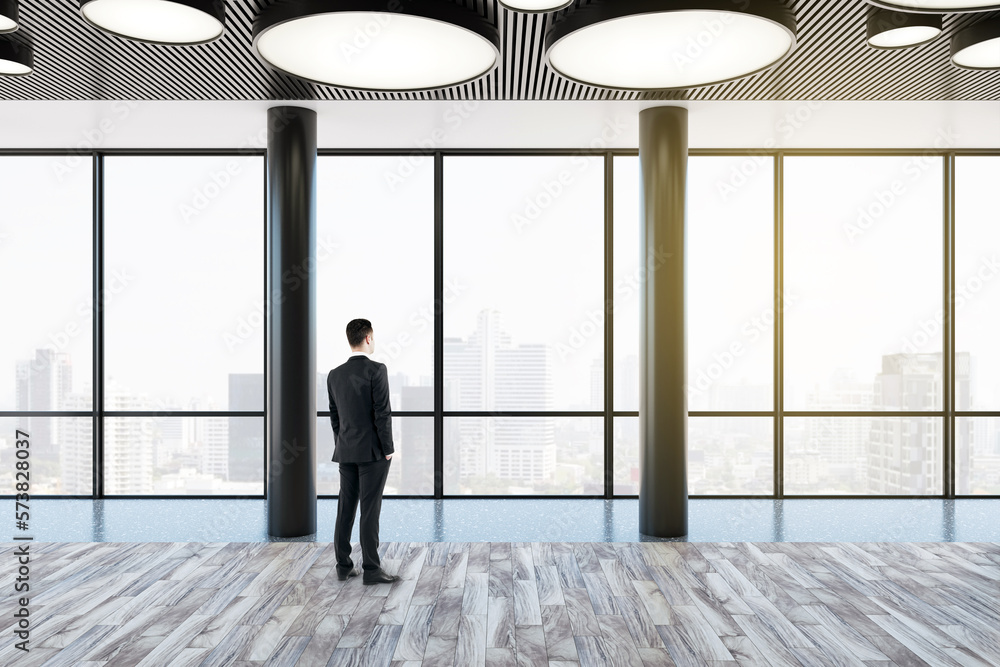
column 663, row 146
column 291, row 350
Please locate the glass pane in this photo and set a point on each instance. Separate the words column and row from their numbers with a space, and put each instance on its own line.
column 46, row 266
column 375, row 252
column 863, row 281
column 977, row 456
column 730, row 456
column 626, row 444
column 183, row 456
column 863, row 455
column 730, row 311
column 411, row 472
column 60, row 455
column 726, row 456
column 184, row 246
column 627, row 272
column 523, row 456
column 977, row 283
column 524, row 252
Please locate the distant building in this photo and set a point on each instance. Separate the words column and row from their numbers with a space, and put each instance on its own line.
column 414, row 472
column 488, row 372
column 42, row 384
column 245, row 438
column 905, row 454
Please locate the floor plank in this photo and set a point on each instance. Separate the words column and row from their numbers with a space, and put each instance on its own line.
column 515, row 604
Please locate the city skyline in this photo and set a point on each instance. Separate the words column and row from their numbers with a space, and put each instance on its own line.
column 829, row 455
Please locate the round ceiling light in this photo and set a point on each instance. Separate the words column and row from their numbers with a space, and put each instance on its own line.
column 16, row 59
column 536, row 6
column 8, row 15
column 938, row 6
column 660, row 44
column 977, row 46
column 894, row 30
column 179, row 22
column 374, row 45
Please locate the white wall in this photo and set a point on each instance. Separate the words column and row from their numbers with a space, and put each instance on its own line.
column 572, row 125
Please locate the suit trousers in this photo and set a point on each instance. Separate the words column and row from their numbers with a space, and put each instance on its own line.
column 362, row 482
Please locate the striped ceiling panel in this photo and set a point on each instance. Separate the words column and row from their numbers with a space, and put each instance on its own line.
column 830, row 62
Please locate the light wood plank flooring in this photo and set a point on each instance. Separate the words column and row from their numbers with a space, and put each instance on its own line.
column 517, row 604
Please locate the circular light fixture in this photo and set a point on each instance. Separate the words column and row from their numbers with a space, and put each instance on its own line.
column 938, row 6
column 536, row 6
column 16, row 59
column 374, row 45
column 8, row 15
column 977, row 46
column 662, row 44
column 179, row 22
column 895, row 30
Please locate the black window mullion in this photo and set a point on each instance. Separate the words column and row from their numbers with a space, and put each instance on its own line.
column 438, row 325
column 779, row 331
column 609, row 431
column 97, row 384
column 948, row 331
column 267, row 296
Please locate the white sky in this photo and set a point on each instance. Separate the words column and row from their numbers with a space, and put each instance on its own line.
column 193, row 277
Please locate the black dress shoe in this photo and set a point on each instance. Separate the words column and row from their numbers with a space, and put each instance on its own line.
column 379, row 576
column 344, row 574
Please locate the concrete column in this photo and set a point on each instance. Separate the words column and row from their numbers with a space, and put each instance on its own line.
column 663, row 147
column 291, row 347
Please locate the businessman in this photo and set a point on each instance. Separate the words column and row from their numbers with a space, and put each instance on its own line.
column 362, row 434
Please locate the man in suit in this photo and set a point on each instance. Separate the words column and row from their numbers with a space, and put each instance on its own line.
column 362, row 433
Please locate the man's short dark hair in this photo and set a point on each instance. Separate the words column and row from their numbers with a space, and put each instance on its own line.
column 357, row 330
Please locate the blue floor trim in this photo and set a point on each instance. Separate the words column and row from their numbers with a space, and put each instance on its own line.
column 517, row 520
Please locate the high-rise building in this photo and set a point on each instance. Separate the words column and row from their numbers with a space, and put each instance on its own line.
column 76, row 449
column 215, row 448
column 245, row 438
column 128, row 444
column 626, row 383
column 904, row 454
column 42, row 385
column 488, row 372
column 836, row 447
column 414, row 473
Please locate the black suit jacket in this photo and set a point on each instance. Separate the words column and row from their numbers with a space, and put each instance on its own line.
column 359, row 410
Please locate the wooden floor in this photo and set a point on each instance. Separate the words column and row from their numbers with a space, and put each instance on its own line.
column 482, row 603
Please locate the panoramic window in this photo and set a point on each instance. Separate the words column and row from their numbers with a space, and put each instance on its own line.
column 184, row 248
column 863, row 279
column 46, row 266
column 730, row 321
column 524, row 330
column 375, row 261
column 977, row 324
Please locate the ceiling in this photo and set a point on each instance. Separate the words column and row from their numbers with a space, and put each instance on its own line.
column 831, row 61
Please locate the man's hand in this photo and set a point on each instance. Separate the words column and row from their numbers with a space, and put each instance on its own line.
column 388, row 456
